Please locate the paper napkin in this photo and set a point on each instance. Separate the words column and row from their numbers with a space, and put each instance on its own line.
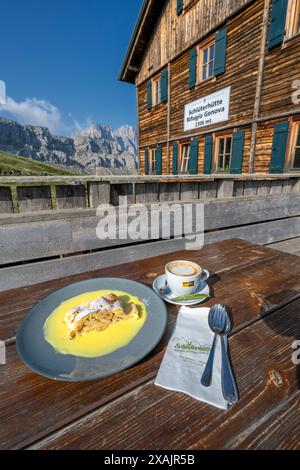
column 186, row 358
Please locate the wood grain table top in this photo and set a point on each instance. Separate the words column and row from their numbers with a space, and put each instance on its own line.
column 127, row 412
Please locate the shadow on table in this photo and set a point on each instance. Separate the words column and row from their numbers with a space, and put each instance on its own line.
column 288, row 326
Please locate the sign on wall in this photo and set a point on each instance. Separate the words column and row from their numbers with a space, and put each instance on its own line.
column 209, row 110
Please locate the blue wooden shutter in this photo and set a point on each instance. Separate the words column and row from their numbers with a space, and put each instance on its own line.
column 220, row 52
column 193, row 69
column 208, row 155
column 164, row 86
column 194, row 153
column 179, row 7
column 175, row 159
column 159, row 160
column 278, row 22
column 238, row 141
column 149, row 95
column 147, row 161
column 281, row 132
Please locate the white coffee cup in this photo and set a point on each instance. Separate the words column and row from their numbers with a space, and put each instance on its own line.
column 184, row 277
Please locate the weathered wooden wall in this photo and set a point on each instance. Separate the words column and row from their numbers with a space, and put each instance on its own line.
column 173, row 33
column 257, row 99
column 241, row 73
column 244, row 42
column 152, row 124
column 280, row 71
column 38, row 247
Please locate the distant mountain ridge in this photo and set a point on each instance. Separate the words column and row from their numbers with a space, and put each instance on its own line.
column 112, row 152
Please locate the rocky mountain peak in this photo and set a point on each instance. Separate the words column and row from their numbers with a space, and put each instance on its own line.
column 96, row 147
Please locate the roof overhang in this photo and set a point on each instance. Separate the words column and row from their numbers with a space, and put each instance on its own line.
column 147, row 19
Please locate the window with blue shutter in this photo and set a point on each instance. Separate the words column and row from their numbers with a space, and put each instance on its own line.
column 208, row 155
column 159, row 160
column 220, row 52
column 278, row 23
column 194, row 154
column 175, row 159
column 149, row 95
column 193, row 69
column 164, row 86
column 147, row 161
column 281, row 132
column 238, row 140
column 179, row 7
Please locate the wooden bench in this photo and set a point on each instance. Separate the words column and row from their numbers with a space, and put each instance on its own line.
column 47, row 245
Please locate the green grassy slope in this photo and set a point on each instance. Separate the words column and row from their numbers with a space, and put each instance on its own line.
column 11, row 165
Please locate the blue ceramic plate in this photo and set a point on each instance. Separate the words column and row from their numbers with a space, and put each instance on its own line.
column 41, row 357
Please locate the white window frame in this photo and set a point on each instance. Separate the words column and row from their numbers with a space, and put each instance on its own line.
column 293, row 19
column 152, row 160
column 156, row 91
column 184, row 159
column 224, row 137
column 210, row 60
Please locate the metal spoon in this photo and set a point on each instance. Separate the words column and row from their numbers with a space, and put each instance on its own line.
column 217, row 324
column 220, row 324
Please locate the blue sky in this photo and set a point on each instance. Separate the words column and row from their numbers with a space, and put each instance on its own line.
column 60, row 60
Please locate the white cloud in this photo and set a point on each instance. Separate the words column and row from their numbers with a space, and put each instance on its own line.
column 35, row 112
column 39, row 112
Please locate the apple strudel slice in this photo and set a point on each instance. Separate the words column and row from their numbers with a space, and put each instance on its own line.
column 98, row 315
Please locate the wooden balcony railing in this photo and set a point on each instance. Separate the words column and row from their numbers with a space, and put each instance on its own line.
column 39, row 194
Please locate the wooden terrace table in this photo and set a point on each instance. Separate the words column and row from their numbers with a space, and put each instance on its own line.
column 125, row 412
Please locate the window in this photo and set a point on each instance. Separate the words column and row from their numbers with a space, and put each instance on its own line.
column 296, row 147
column 152, row 161
column 224, row 150
column 207, row 62
column 184, row 160
column 156, row 91
column 293, row 18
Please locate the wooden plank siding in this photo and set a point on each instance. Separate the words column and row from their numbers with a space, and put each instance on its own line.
column 242, row 56
column 241, row 73
column 174, row 34
column 152, row 124
column 280, row 71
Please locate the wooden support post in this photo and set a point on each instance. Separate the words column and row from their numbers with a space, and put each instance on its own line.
column 261, row 66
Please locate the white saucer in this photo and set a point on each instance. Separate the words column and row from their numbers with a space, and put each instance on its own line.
column 160, row 283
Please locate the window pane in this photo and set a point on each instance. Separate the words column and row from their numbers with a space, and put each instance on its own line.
column 220, row 162
column 221, row 146
column 227, row 162
column 297, row 151
column 212, row 52
column 297, row 159
column 228, row 145
column 204, row 72
column 298, row 138
column 211, row 69
column 205, row 56
column 298, row 17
